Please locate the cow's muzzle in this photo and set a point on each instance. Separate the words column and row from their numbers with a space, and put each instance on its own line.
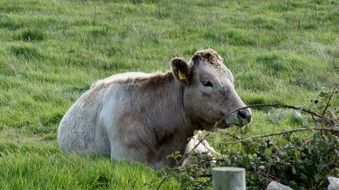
column 245, row 115
column 239, row 118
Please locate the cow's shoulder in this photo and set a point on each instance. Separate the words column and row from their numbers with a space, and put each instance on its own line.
column 121, row 78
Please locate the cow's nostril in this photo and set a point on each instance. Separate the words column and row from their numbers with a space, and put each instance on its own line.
column 242, row 114
column 245, row 114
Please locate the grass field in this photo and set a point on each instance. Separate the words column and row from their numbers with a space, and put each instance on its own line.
column 52, row 51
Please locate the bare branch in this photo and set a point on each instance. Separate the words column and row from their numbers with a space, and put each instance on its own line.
column 332, row 130
column 305, row 110
column 178, row 164
column 328, row 102
column 235, row 137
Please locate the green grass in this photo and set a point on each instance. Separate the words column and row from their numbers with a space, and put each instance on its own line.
column 52, row 51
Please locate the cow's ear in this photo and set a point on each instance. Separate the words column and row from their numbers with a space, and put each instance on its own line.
column 181, row 71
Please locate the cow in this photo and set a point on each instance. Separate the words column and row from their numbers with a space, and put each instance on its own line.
column 144, row 118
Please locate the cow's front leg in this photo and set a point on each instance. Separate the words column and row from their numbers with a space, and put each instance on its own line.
column 198, row 144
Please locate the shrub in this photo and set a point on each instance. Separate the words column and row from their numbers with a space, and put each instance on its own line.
column 299, row 161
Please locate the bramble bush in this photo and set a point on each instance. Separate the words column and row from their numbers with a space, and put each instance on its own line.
column 299, row 161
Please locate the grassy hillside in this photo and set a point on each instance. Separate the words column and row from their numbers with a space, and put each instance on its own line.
column 52, row 51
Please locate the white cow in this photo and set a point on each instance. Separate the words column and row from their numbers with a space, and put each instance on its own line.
column 145, row 117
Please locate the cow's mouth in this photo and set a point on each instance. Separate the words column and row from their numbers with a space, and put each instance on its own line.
column 240, row 118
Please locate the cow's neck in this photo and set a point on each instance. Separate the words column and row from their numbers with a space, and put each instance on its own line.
column 167, row 116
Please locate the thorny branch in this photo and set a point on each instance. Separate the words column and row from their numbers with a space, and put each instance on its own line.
column 305, row 110
column 332, row 130
column 181, row 161
column 235, row 137
column 328, row 102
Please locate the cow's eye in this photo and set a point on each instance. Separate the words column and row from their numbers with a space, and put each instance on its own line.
column 207, row 84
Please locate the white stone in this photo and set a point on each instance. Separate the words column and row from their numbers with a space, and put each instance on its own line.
column 334, row 183
column 277, row 186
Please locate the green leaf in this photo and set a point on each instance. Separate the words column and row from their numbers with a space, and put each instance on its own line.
column 268, row 152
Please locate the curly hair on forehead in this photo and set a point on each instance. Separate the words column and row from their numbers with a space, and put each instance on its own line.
column 208, row 54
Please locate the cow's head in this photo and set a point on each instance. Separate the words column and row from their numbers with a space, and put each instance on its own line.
column 209, row 92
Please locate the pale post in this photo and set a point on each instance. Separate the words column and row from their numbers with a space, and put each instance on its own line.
column 228, row 178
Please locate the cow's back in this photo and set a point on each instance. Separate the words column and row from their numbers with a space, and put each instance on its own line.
column 82, row 129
